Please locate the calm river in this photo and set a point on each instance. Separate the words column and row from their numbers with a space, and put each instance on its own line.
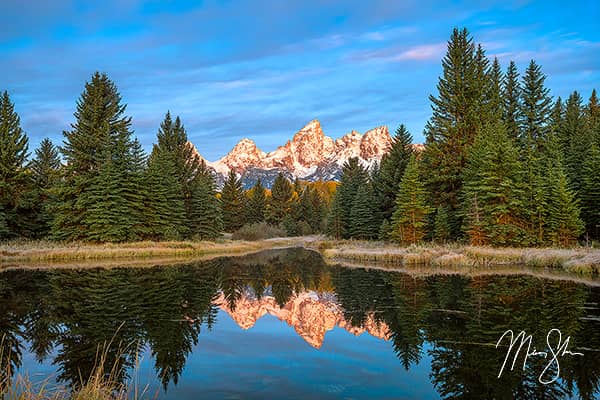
column 283, row 324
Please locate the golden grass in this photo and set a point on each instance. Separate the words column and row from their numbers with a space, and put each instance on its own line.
column 579, row 260
column 32, row 252
column 101, row 385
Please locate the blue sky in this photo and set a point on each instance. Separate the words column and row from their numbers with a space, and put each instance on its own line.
column 263, row 69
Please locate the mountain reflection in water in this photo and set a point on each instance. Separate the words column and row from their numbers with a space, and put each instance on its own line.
column 440, row 329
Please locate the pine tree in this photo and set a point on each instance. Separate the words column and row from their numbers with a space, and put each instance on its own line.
column 14, row 178
column 592, row 111
column 232, row 203
column 391, row 170
column 353, row 177
column 563, row 223
column 575, row 139
column 256, row 203
column 536, row 106
column 410, row 218
column 493, row 96
column 493, row 193
column 280, row 203
column 557, row 116
column 189, row 167
column 164, row 208
column 512, row 102
column 455, row 122
column 590, row 192
column 206, row 210
column 101, row 131
column 441, row 232
column 45, row 172
column 364, row 223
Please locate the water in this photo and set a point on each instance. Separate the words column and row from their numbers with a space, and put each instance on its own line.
column 283, row 324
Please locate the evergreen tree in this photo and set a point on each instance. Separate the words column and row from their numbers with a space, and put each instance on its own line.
column 576, row 139
column 557, row 116
column 391, row 170
column 14, row 178
column 410, row 218
column 45, row 169
column 592, row 111
column 232, row 203
column 493, row 96
column 493, row 193
column 280, row 203
column 101, row 132
column 536, row 105
column 189, row 167
column 441, row 233
column 164, row 208
column 364, row 223
column 590, row 192
column 563, row 223
column 454, row 123
column 206, row 210
column 353, row 177
column 256, row 203
column 512, row 102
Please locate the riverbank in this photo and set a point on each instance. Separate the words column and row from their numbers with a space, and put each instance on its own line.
column 43, row 252
column 55, row 254
column 577, row 260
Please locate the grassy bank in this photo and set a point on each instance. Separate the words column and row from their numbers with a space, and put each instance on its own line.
column 578, row 260
column 39, row 252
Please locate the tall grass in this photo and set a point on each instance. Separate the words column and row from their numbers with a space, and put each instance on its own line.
column 102, row 384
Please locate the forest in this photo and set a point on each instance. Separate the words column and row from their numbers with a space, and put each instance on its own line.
column 504, row 164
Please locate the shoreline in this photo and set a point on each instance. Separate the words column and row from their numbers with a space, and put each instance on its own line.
column 45, row 254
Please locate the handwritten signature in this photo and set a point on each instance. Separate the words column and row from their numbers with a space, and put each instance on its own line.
column 555, row 352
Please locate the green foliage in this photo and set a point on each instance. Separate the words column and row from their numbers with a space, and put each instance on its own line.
column 335, row 218
column 164, row 208
column 410, row 218
column 257, row 201
column 189, row 168
column 441, row 233
column 493, row 195
column 280, row 204
column 14, row 177
column 206, row 220
column 590, row 192
column 563, row 224
column 98, row 148
column 233, row 203
column 364, row 223
column 536, row 105
column 511, row 95
column 391, row 171
column 459, row 110
column 258, row 231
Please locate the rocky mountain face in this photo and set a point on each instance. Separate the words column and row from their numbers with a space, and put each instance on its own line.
column 310, row 155
column 311, row 314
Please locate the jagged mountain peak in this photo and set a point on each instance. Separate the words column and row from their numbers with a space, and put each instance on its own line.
column 310, row 155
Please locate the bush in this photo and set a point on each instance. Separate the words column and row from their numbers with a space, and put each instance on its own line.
column 258, row 231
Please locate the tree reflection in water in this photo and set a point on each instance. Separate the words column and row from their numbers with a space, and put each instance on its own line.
column 455, row 320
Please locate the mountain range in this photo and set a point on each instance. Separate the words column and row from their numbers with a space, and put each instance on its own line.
column 310, row 155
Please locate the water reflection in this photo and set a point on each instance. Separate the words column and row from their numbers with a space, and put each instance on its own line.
column 63, row 315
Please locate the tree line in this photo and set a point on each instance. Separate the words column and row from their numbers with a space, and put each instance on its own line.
column 504, row 164
column 100, row 186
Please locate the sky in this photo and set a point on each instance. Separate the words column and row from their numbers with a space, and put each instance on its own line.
column 263, row 69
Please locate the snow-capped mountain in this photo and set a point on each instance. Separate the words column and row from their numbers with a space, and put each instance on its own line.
column 310, row 155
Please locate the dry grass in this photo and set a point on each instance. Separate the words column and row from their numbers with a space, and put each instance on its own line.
column 580, row 260
column 25, row 252
column 101, row 385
